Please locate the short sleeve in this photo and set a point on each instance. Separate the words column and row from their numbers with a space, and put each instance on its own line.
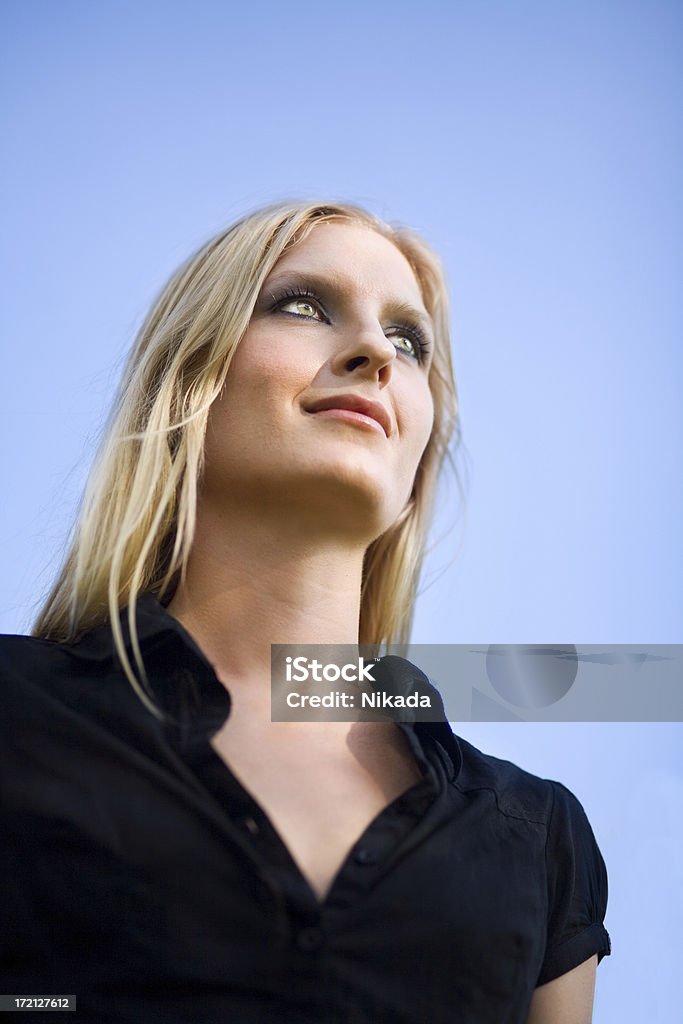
column 577, row 889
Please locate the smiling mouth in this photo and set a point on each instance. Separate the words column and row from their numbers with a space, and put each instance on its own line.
column 353, row 418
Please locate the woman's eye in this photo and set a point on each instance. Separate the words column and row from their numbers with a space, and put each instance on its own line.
column 413, row 343
column 302, row 307
column 407, row 344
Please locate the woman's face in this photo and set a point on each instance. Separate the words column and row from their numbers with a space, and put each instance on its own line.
column 340, row 320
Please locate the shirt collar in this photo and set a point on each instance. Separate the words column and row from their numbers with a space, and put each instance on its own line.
column 193, row 686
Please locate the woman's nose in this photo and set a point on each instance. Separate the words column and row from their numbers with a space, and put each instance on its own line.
column 369, row 348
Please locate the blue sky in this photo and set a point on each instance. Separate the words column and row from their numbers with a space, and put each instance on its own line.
column 537, row 146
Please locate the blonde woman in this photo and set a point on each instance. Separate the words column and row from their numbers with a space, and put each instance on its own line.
column 172, row 854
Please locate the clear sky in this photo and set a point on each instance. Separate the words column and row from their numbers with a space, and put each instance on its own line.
column 537, row 145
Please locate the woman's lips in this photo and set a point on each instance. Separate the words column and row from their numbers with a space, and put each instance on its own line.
column 350, row 401
column 352, row 416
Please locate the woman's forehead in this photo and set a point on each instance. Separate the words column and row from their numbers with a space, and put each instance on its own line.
column 353, row 255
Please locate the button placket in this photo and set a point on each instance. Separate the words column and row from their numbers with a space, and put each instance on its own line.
column 310, row 939
column 365, row 855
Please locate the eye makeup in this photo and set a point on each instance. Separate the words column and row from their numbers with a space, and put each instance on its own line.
column 292, row 294
column 279, row 297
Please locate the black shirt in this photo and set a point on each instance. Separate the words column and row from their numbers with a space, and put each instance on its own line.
column 138, row 874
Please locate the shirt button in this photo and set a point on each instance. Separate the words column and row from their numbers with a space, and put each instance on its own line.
column 252, row 826
column 364, row 855
column 309, row 939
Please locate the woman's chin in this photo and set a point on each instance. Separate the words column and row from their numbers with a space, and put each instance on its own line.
column 345, row 502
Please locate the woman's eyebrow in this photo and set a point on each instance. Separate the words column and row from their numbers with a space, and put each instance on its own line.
column 325, row 284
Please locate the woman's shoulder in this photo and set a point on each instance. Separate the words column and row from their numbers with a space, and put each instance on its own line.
column 39, row 678
column 60, row 700
column 518, row 793
column 33, row 658
column 29, row 657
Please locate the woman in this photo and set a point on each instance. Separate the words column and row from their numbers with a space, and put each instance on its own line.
column 174, row 854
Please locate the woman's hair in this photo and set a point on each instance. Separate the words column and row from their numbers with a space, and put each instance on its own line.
column 137, row 517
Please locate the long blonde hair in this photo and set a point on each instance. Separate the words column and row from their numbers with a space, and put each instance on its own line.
column 137, row 517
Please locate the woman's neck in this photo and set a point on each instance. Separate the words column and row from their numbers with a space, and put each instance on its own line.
column 252, row 582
